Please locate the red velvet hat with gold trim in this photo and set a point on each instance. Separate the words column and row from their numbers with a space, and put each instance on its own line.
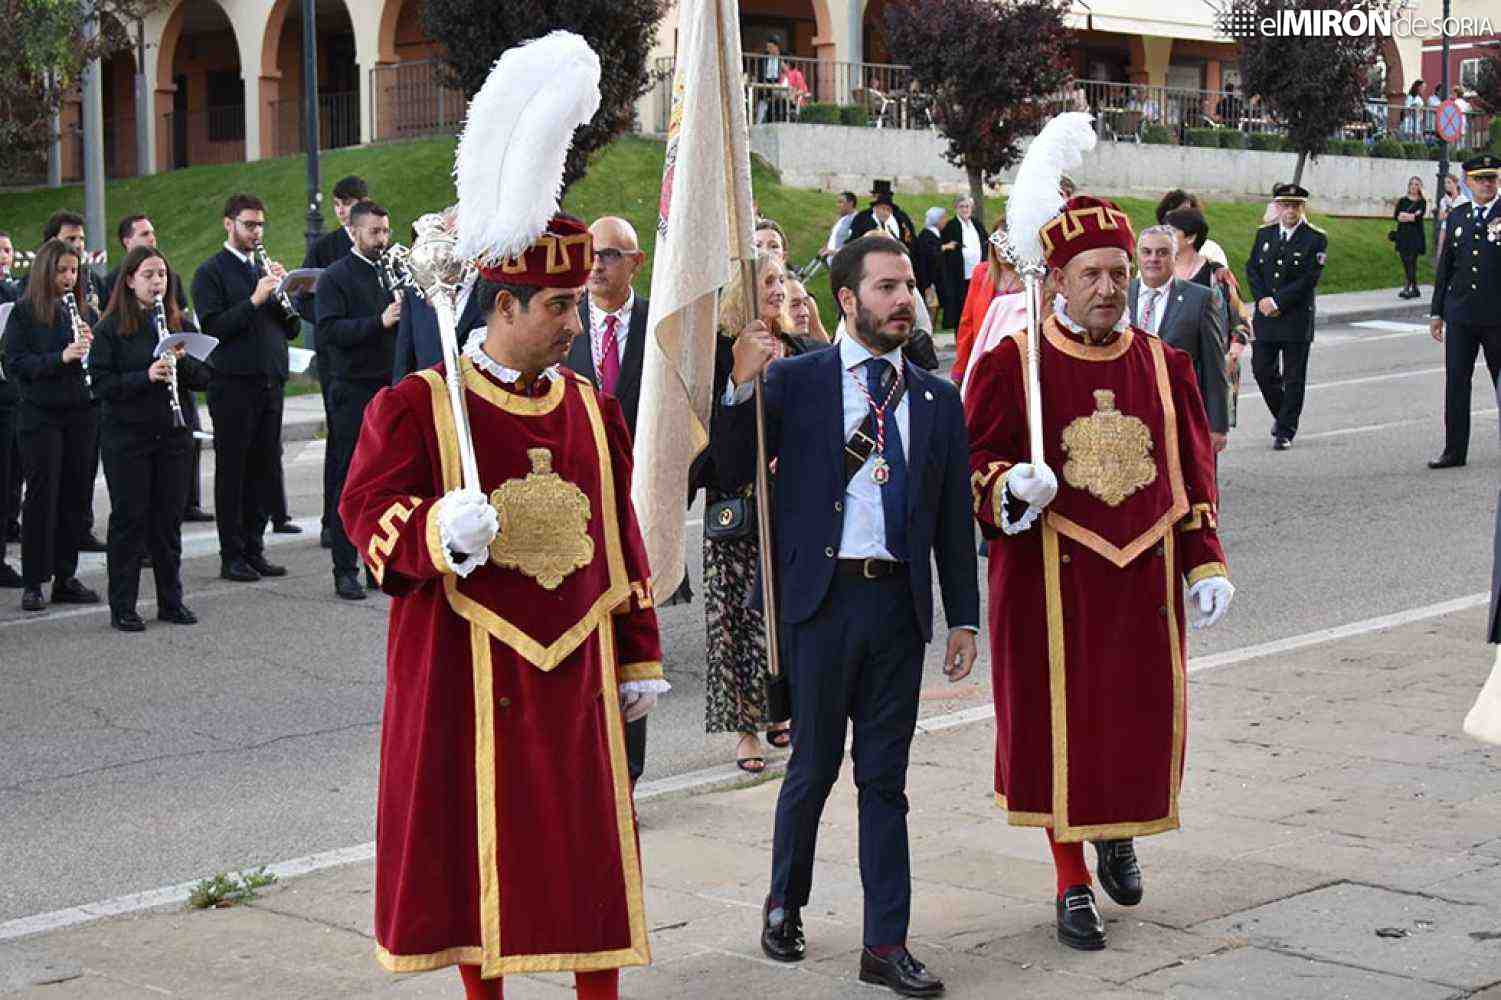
column 1086, row 223
column 560, row 258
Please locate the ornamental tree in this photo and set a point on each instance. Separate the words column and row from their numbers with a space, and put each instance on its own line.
column 989, row 87
column 474, row 33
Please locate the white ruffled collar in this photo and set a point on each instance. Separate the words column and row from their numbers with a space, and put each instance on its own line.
column 474, row 351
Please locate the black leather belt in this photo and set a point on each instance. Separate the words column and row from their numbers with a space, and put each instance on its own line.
column 871, row 569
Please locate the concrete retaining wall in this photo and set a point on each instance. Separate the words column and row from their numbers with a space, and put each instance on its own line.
column 835, row 158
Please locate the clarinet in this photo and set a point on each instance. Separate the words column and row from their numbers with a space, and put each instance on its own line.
column 265, row 262
column 71, row 304
column 159, row 314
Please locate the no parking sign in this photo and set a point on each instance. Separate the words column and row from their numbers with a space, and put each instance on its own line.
column 1451, row 122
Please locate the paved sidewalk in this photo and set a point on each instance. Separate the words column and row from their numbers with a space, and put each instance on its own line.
column 1341, row 839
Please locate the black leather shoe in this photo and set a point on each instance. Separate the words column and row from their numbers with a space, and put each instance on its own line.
column 9, row 577
column 1447, row 461
column 1280, row 443
column 1079, row 922
column 179, row 615
column 70, row 591
column 91, row 543
column 325, row 539
column 238, row 570
column 782, row 933
column 347, row 586
column 197, row 515
column 257, row 561
column 32, row 599
column 286, row 528
column 1119, row 871
column 127, row 621
column 901, row 973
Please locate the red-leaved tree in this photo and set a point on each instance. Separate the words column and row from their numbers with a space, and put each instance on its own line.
column 989, row 66
column 1311, row 83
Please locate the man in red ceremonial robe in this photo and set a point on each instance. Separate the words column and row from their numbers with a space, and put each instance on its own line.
column 522, row 637
column 1088, row 566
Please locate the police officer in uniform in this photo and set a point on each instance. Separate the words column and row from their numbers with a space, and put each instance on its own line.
column 1466, row 312
column 1286, row 263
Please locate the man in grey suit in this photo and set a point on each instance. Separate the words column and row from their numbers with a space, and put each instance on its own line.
column 1186, row 315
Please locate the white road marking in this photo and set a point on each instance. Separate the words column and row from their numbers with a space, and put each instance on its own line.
column 1362, row 380
column 724, row 774
column 1437, row 421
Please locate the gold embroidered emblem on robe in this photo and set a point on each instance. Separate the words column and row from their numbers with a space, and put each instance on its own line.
column 1110, row 452
column 544, row 524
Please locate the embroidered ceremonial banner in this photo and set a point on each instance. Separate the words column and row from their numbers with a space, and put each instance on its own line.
column 705, row 224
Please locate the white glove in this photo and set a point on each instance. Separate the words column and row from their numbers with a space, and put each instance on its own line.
column 467, row 524
column 1208, row 600
column 635, row 704
column 1033, row 484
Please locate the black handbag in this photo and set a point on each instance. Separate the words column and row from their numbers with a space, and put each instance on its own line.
column 730, row 519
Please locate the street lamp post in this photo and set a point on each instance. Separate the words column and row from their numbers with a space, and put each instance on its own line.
column 310, row 117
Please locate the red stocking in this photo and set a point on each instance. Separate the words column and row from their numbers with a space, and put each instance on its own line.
column 1068, row 861
column 602, row 985
column 476, row 988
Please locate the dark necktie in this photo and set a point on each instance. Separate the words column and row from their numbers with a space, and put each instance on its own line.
column 878, row 375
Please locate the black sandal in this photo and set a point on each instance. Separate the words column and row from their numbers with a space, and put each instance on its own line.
column 751, row 765
column 779, row 738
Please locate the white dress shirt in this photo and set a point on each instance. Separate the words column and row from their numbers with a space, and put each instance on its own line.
column 864, row 534
column 839, row 235
column 244, row 258
column 1287, row 233
column 971, row 244
column 1158, row 298
column 597, row 318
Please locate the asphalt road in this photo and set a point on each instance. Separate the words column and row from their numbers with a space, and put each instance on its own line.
column 131, row 762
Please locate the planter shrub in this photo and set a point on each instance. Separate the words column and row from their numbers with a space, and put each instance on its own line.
column 1389, row 149
column 1496, row 134
column 1232, row 139
column 1209, row 137
column 853, row 114
column 819, row 114
column 1268, row 142
column 1158, row 135
column 1416, row 150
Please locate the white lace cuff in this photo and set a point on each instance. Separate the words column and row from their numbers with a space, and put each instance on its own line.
column 1017, row 526
column 655, row 686
column 463, row 567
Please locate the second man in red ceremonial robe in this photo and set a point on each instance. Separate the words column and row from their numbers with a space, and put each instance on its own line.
column 1088, row 566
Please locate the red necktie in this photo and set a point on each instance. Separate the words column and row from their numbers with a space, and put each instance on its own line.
column 609, row 357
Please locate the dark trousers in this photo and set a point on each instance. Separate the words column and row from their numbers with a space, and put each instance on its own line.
column 330, row 496
column 635, row 748
column 12, row 486
column 247, row 453
column 56, row 449
column 346, row 416
column 94, row 464
column 10, row 463
column 194, row 470
column 1462, row 342
column 859, row 658
column 148, row 485
column 1281, row 370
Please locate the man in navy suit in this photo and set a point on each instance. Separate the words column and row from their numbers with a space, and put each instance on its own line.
column 875, row 481
column 417, row 343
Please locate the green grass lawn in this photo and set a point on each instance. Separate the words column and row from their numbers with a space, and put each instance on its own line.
column 411, row 178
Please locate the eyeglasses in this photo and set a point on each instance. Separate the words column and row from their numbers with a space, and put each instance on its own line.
column 609, row 256
column 249, row 224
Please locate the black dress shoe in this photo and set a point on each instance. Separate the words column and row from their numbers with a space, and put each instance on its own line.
column 782, row 933
column 127, row 621
column 286, row 528
column 347, row 586
column 1280, row 443
column 1079, row 922
column 901, row 972
column 325, row 540
column 197, row 515
column 177, row 615
column 9, row 577
column 257, row 561
column 91, row 543
column 1447, row 461
column 32, row 599
column 1119, row 871
column 238, row 570
column 70, row 591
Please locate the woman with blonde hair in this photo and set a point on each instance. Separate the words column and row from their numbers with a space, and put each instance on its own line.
column 735, row 675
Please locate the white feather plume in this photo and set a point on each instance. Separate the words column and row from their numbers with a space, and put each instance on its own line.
column 509, row 166
column 1034, row 197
